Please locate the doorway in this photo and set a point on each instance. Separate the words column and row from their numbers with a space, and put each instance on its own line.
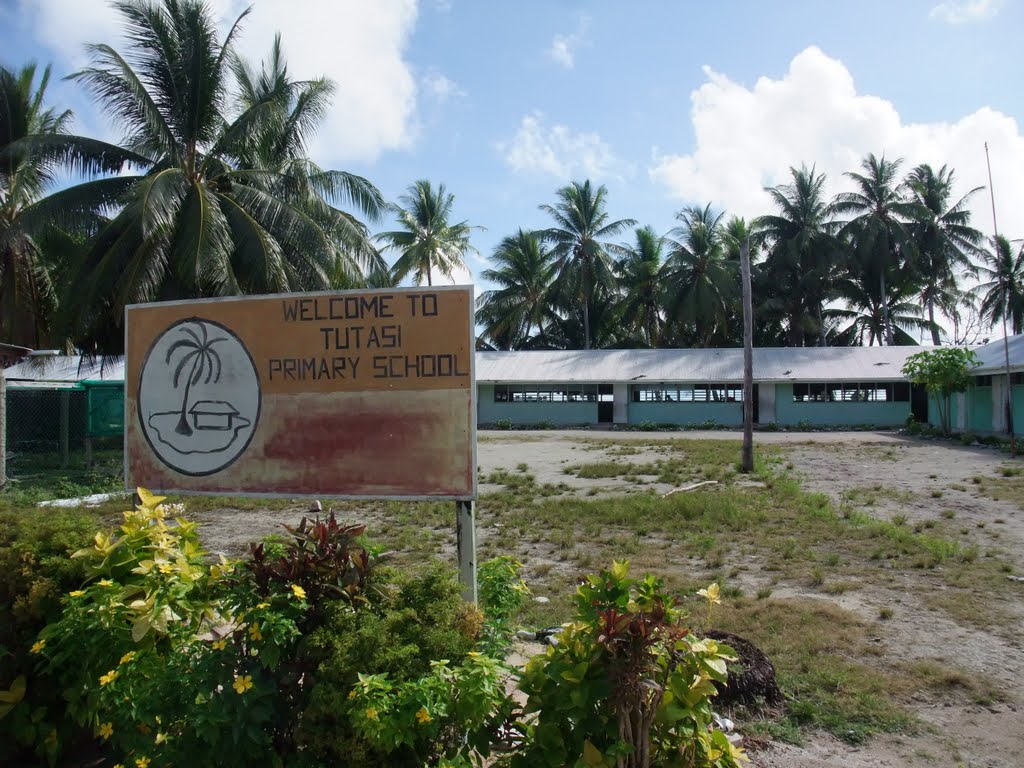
column 605, row 404
column 919, row 403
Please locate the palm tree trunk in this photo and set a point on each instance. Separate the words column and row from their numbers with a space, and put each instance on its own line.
column 821, row 326
column 931, row 319
column 886, row 325
column 586, row 322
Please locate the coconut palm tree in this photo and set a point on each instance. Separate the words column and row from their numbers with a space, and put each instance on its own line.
column 871, row 319
column 879, row 232
column 641, row 286
column 427, row 241
column 945, row 239
column 28, row 289
column 1002, row 288
column 582, row 257
column 701, row 282
column 804, row 257
column 205, row 205
column 523, row 271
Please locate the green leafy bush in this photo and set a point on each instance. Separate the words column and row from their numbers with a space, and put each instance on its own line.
column 411, row 621
column 627, row 685
column 162, row 655
column 447, row 717
column 501, row 593
column 35, row 571
column 165, row 656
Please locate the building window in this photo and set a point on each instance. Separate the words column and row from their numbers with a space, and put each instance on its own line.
column 687, row 393
column 545, row 393
column 983, row 381
column 852, row 392
column 1016, row 378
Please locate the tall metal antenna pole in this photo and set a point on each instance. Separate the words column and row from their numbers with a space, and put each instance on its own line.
column 1006, row 309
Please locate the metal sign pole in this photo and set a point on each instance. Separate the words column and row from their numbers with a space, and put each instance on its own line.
column 465, row 532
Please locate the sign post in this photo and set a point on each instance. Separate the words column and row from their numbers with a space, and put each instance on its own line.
column 349, row 394
column 465, row 532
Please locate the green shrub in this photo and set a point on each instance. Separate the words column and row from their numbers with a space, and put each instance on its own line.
column 504, row 424
column 626, row 684
column 502, row 594
column 411, row 621
column 165, row 656
column 35, row 571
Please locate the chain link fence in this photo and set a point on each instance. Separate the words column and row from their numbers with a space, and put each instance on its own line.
column 74, row 433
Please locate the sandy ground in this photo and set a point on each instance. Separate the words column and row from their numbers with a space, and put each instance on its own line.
column 909, row 474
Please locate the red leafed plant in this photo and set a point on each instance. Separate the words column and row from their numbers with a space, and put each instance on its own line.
column 327, row 559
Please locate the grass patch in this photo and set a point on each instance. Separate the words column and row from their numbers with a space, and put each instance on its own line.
column 817, row 651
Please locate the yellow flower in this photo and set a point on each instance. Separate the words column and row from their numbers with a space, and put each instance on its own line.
column 220, row 645
column 127, row 657
column 76, row 593
column 110, row 677
column 298, row 591
column 263, row 605
column 166, row 568
column 118, row 765
column 106, row 730
column 352, row 694
column 371, row 714
column 161, row 737
column 423, row 716
column 38, row 645
column 711, row 594
column 142, row 762
column 242, row 683
column 254, row 632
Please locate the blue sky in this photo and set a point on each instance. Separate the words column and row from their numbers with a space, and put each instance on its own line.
column 667, row 103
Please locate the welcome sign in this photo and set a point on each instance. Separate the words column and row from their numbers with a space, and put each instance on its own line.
column 359, row 394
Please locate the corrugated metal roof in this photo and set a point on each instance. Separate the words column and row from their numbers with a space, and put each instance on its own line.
column 993, row 356
column 695, row 365
column 596, row 365
column 65, row 369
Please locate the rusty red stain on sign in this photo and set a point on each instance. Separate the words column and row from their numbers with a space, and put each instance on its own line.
column 365, row 394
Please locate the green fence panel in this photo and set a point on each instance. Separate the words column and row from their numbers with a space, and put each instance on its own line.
column 104, row 408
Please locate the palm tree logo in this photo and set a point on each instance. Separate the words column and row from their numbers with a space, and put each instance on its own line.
column 198, row 348
column 199, row 396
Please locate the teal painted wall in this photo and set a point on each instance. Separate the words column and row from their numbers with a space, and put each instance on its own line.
column 728, row 414
column 490, row 412
column 979, row 409
column 836, row 414
column 954, row 416
column 1018, row 409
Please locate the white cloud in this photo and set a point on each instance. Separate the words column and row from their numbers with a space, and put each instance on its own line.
column 963, row 11
column 563, row 47
column 441, row 88
column 557, row 151
column 748, row 138
column 357, row 44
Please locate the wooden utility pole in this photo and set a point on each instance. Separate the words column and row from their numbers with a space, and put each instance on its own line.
column 3, row 428
column 1006, row 309
column 747, row 464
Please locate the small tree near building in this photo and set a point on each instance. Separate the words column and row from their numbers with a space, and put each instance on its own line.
column 942, row 371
